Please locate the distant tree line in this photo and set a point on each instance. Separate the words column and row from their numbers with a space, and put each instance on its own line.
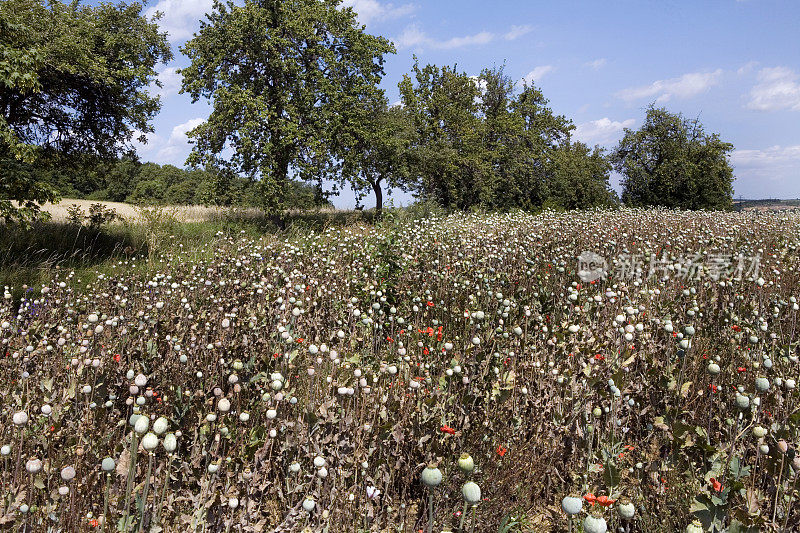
column 295, row 99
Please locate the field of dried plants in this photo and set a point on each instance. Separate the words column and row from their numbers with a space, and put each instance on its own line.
column 459, row 373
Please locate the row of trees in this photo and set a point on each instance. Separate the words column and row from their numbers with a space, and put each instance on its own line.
column 293, row 86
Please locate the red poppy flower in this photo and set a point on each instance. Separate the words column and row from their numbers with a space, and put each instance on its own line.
column 448, row 430
column 590, row 498
column 501, row 451
column 605, row 501
column 716, row 485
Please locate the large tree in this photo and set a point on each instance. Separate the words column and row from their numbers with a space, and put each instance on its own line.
column 73, row 85
column 279, row 74
column 671, row 161
column 448, row 156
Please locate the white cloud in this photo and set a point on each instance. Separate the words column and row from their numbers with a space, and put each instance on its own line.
column 170, row 83
column 777, row 88
column 685, row 86
column 413, row 36
column 517, row 31
column 772, row 157
column 536, row 74
column 603, row 131
column 372, row 10
column 597, row 63
column 179, row 132
column 181, row 17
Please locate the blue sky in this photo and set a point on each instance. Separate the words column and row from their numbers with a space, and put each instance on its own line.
column 735, row 64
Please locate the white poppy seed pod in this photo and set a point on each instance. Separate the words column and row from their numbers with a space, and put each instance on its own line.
column 33, row 466
column 68, row 473
column 161, row 425
column 140, row 381
column 5, row 450
column 150, row 442
column 471, row 492
column 276, row 385
column 572, row 505
column 213, row 468
column 224, row 405
column 63, row 490
column 713, row 369
column 762, row 384
column 244, row 417
column 626, row 510
column 742, row 401
column 47, row 410
column 20, row 418
column 170, row 442
column 141, row 425
column 108, row 464
column 431, row 476
column 271, row 413
column 322, row 472
column 309, row 504
column 294, row 467
column 759, row 432
column 764, row 449
column 92, row 318
column 319, row 461
column 233, row 503
column 273, row 433
column 790, row 384
column 594, row 524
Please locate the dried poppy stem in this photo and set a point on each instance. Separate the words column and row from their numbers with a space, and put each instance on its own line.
column 145, row 490
column 105, row 502
column 131, row 474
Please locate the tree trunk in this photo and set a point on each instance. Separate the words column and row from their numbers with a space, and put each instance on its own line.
column 376, row 186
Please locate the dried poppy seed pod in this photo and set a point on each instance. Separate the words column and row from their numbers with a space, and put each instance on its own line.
column 68, row 473
column 33, row 466
column 471, row 492
column 431, row 476
column 466, row 464
column 695, row 527
column 572, row 505
column 783, row 446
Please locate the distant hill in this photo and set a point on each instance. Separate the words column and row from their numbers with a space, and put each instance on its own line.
column 768, row 204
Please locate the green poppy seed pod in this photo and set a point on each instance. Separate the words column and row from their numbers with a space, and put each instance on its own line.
column 170, row 442
column 276, row 385
column 764, row 449
column 762, row 384
column 108, row 464
column 759, row 431
column 572, row 505
column 626, row 510
column 237, row 365
column 688, row 331
column 713, row 369
column 150, row 442
column 431, row 476
column 160, row 426
column 597, row 412
column 594, row 524
column 684, row 344
column 465, row 463
column 309, row 504
column 742, row 401
column 471, row 492
column 142, row 425
column 695, row 527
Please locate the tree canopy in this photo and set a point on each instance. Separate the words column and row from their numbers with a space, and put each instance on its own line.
column 73, row 84
column 670, row 161
column 279, row 74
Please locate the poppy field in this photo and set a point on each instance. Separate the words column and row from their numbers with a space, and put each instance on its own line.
column 451, row 373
